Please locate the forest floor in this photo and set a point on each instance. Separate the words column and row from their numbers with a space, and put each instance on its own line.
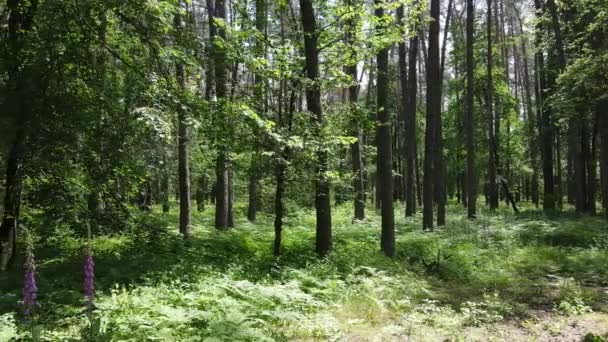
column 503, row 277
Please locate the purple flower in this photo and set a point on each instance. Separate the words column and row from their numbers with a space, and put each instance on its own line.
column 89, row 278
column 30, row 290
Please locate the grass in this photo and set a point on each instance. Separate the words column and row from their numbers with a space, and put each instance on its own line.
column 470, row 275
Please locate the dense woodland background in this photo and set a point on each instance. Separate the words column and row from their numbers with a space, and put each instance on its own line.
column 264, row 132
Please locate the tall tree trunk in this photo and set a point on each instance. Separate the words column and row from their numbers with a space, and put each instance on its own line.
column 385, row 152
column 602, row 113
column 403, row 122
column 492, row 148
column 433, row 109
column 439, row 167
column 411, row 184
column 313, row 102
column 183, row 139
column 223, row 202
column 592, row 167
column 545, row 121
column 259, row 94
column 471, row 178
column 20, row 20
column 532, row 118
column 356, row 148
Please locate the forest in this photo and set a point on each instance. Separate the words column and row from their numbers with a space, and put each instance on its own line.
column 304, row 170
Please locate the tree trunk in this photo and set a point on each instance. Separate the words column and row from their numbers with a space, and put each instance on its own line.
column 440, row 170
column 223, row 202
column 201, row 193
column 12, row 198
column 313, row 102
column 385, row 153
column 602, row 113
column 183, row 139
column 492, row 148
column 433, row 109
column 532, row 118
column 592, row 168
column 259, row 90
column 410, row 127
column 20, row 19
column 356, row 148
column 471, row 178
column 545, row 121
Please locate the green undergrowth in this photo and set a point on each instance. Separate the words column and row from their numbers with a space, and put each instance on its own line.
column 153, row 285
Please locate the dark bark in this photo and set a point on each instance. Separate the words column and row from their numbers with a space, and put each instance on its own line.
column 279, row 211
column 508, row 195
column 492, row 148
column 410, row 127
column 471, row 184
column 403, row 110
column 385, row 153
column 21, row 14
column 602, row 113
column 592, row 168
column 545, row 121
column 532, row 118
column 201, row 193
column 356, row 148
column 183, row 140
column 259, row 90
column 433, row 109
column 440, row 171
column 223, row 202
column 164, row 192
column 313, row 102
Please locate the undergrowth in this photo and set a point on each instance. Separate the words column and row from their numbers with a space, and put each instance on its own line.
column 217, row 286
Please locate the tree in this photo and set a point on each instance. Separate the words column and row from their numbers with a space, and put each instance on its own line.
column 20, row 21
column 440, row 169
column 603, row 129
column 357, row 146
column 471, row 180
column 433, row 110
column 313, row 102
column 259, row 89
column 385, row 151
column 493, row 147
column 545, row 121
column 410, row 125
column 223, row 201
column 183, row 139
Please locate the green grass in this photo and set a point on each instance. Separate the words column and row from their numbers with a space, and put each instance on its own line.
column 153, row 285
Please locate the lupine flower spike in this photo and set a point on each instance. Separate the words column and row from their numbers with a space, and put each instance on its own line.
column 30, row 290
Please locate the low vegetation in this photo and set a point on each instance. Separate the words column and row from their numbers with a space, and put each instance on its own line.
column 524, row 274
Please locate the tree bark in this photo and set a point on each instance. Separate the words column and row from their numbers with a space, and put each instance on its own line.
column 602, row 113
column 471, row 184
column 356, row 148
column 433, row 109
column 20, row 20
column 410, row 126
column 492, row 148
column 183, row 140
column 259, row 90
column 592, row 168
column 385, row 152
column 545, row 121
column 532, row 118
column 313, row 102
column 223, row 202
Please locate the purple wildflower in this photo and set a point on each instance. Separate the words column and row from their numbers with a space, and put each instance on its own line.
column 30, row 290
column 89, row 278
